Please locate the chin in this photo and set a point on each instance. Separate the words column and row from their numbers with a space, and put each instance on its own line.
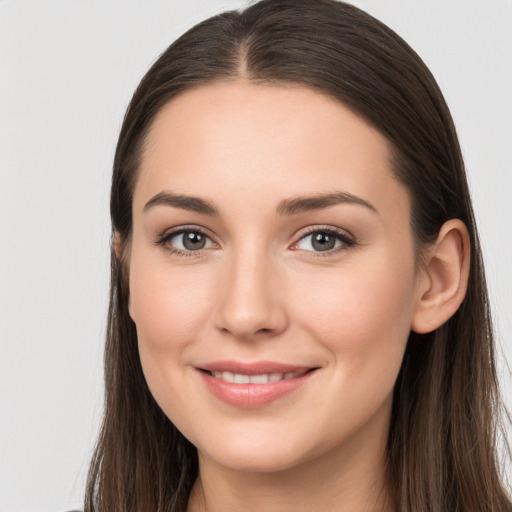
column 257, row 460
column 260, row 454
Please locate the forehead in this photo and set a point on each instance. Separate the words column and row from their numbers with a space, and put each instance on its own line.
column 235, row 138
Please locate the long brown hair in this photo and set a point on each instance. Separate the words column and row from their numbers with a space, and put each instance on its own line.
column 442, row 441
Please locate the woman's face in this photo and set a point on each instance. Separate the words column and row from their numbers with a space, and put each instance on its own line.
column 272, row 275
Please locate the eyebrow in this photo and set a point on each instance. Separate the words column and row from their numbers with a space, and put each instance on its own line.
column 319, row 202
column 193, row 204
column 290, row 206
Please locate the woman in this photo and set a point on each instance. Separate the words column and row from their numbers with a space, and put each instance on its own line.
column 298, row 313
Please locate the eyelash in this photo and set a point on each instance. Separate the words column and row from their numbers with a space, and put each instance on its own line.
column 163, row 240
column 347, row 240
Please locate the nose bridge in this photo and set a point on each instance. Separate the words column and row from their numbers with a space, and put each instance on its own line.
column 250, row 303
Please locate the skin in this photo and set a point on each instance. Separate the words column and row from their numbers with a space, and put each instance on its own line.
column 259, row 291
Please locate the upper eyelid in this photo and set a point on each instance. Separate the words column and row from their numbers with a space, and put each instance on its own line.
column 164, row 237
column 320, row 227
column 184, row 228
column 299, row 235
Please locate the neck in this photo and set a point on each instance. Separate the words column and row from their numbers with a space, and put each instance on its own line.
column 351, row 478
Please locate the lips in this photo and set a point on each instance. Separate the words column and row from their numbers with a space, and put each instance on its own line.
column 253, row 385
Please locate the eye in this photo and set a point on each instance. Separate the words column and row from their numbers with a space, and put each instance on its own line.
column 185, row 241
column 324, row 240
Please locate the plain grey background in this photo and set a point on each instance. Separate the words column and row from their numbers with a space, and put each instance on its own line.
column 67, row 71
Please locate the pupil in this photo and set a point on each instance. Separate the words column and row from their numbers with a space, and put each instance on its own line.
column 193, row 241
column 323, row 241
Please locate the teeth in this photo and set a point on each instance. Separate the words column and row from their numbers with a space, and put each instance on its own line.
column 242, row 379
column 239, row 378
column 227, row 376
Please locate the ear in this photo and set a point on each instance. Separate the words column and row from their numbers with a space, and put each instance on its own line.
column 443, row 283
column 117, row 246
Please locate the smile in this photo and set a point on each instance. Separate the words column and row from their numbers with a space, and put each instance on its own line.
column 253, row 385
column 264, row 378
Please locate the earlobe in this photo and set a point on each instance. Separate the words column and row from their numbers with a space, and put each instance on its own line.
column 443, row 285
column 117, row 245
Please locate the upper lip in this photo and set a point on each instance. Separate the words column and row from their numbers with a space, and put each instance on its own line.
column 253, row 368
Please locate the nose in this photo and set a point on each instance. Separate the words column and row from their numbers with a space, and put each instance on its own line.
column 251, row 300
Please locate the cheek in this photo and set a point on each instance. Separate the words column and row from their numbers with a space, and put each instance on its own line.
column 167, row 307
column 169, row 311
column 362, row 315
column 363, row 319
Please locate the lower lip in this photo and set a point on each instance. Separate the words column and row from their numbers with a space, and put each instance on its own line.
column 251, row 396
